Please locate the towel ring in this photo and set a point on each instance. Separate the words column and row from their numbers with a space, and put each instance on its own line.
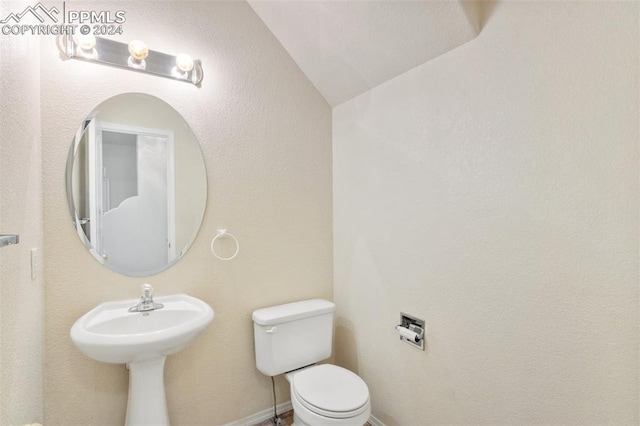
column 222, row 233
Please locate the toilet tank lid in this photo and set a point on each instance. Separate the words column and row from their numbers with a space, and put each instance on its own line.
column 292, row 311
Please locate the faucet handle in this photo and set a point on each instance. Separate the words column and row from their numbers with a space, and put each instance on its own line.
column 146, row 290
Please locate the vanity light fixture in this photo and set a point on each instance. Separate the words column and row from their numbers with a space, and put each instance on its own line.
column 134, row 56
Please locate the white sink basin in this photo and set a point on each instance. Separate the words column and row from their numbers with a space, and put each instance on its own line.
column 142, row 340
column 110, row 333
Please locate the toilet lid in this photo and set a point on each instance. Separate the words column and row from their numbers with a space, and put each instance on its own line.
column 330, row 389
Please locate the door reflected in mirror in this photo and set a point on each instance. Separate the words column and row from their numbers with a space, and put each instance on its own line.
column 136, row 184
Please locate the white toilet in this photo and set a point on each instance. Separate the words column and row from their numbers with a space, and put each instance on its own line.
column 289, row 339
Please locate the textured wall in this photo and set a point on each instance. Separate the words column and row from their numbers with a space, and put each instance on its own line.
column 21, row 298
column 266, row 137
column 494, row 192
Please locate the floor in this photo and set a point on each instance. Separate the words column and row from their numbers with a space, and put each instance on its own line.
column 287, row 420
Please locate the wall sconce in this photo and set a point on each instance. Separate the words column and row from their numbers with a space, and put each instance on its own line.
column 134, row 56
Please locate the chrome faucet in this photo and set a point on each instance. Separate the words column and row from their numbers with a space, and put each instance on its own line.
column 146, row 300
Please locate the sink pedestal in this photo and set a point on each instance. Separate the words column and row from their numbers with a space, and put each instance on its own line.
column 147, row 404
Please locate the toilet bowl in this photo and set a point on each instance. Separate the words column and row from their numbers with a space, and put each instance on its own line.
column 290, row 339
column 328, row 395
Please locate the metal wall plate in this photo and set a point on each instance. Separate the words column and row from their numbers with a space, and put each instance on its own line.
column 9, row 239
column 116, row 54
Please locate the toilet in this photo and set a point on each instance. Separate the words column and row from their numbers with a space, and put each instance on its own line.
column 289, row 340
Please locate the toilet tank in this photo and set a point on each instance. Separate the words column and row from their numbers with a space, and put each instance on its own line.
column 293, row 335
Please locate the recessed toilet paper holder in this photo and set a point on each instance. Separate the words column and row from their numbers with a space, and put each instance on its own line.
column 411, row 330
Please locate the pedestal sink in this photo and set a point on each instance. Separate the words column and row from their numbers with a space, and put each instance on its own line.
column 142, row 340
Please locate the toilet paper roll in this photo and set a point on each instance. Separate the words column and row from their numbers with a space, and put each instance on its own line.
column 407, row 334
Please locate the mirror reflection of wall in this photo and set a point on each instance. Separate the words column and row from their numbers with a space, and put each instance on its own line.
column 136, row 184
column 119, row 168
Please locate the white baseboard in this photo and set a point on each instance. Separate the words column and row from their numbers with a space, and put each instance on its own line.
column 373, row 421
column 281, row 408
column 262, row 415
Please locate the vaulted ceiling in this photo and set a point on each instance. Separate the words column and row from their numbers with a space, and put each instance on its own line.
column 348, row 47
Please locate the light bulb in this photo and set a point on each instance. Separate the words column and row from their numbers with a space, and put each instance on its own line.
column 184, row 62
column 138, row 50
column 85, row 41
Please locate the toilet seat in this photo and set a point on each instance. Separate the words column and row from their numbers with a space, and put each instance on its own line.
column 331, row 391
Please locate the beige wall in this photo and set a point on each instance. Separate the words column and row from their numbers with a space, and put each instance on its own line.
column 21, row 298
column 494, row 193
column 265, row 134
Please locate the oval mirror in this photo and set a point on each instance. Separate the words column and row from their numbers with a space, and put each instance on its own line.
column 136, row 184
